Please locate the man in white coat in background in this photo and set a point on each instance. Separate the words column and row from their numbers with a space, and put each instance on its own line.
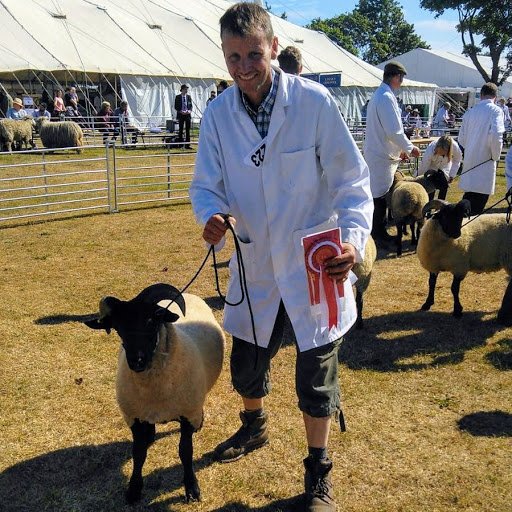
column 384, row 143
column 481, row 136
column 280, row 179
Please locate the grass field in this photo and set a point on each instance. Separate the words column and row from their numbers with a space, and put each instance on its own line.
column 426, row 396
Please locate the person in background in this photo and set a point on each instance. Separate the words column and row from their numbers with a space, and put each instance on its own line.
column 290, row 60
column 183, row 106
column 442, row 118
column 444, row 154
column 58, row 104
column 222, row 86
column 42, row 112
column 123, row 124
column 106, row 122
column 481, row 136
column 384, row 144
column 280, row 179
column 16, row 111
column 213, row 95
column 508, row 168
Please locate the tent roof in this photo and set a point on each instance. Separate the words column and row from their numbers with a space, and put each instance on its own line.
column 447, row 69
column 149, row 37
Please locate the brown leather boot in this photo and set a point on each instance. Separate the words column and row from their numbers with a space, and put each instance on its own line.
column 250, row 436
column 319, row 495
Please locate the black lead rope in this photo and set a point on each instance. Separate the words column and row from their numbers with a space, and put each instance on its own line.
column 474, row 167
column 243, row 282
column 507, row 198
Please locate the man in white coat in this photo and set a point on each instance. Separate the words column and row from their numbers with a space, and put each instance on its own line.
column 508, row 168
column 384, row 142
column 481, row 136
column 280, row 179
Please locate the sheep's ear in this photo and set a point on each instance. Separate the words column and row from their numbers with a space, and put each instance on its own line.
column 164, row 315
column 107, row 307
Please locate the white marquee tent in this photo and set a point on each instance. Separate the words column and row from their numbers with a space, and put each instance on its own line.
column 451, row 72
column 146, row 48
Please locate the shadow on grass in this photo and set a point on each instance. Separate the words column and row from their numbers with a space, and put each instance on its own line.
column 64, row 319
column 414, row 340
column 501, row 359
column 88, row 478
column 487, row 423
column 287, row 505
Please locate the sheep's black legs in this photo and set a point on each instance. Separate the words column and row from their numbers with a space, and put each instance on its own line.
column 143, row 435
column 359, row 306
column 457, row 306
column 399, row 234
column 505, row 312
column 186, row 451
column 431, row 289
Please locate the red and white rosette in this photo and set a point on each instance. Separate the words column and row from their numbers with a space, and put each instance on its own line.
column 323, row 289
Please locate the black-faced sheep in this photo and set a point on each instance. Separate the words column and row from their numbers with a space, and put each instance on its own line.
column 363, row 271
column 484, row 245
column 16, row 132
column 62, row 134
column 167, row 364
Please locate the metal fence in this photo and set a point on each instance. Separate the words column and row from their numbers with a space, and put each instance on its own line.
column 45, row 183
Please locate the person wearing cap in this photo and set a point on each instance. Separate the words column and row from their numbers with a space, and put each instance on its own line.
column 183, row 106
column 442, row 119
column 384, row 143
column 16, row 111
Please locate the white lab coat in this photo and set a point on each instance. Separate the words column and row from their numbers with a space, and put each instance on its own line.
column 306, row 176
column 384, row 139
column 433, row 161
column 508, row 168
column 481, row 136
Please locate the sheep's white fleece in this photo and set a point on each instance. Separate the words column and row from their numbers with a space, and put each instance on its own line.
column 186, row 365
column 485, row 245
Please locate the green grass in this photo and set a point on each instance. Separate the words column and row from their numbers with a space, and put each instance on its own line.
column 426, row 396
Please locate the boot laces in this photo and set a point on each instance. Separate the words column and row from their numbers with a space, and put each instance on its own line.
column 320, row 487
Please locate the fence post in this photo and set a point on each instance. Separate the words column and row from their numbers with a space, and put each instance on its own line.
column 168, row 172
column 111, row 177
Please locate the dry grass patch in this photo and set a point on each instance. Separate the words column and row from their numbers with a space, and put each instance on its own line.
column 426, row 396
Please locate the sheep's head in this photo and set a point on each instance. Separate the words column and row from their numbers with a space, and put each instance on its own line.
column 449, row 216
column 437, row 178
column 138, row 322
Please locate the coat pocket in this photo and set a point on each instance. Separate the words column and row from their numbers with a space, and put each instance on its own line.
column 330, row 223
column 248, row 254
column 300, row 171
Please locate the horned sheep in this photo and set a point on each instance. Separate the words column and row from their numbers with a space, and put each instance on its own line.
column 167, row 363
column 61, row 134
column 16, row 131
column 483, row 245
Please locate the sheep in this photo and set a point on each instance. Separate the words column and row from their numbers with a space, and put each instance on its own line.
column 62, row 134
column 167, row 364
column 363, row 271
column 17, row 131
column 484, row 245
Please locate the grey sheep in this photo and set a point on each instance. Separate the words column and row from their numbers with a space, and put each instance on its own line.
column 167, row 364
column 363, row 271
column 62, row 134
column 16, row 131
column 483, row 245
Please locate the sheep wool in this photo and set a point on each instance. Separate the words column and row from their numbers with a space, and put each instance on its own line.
column 16, row 131
column 186, row 365
column 62, row 134
column 363, row 271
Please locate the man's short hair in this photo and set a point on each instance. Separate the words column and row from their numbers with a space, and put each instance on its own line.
column 123, row 103
column 290, row 60
column 244, row 18
column 489, row 90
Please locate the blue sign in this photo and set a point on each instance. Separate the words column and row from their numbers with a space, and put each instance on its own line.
column 331, row 80
column 312, row 76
